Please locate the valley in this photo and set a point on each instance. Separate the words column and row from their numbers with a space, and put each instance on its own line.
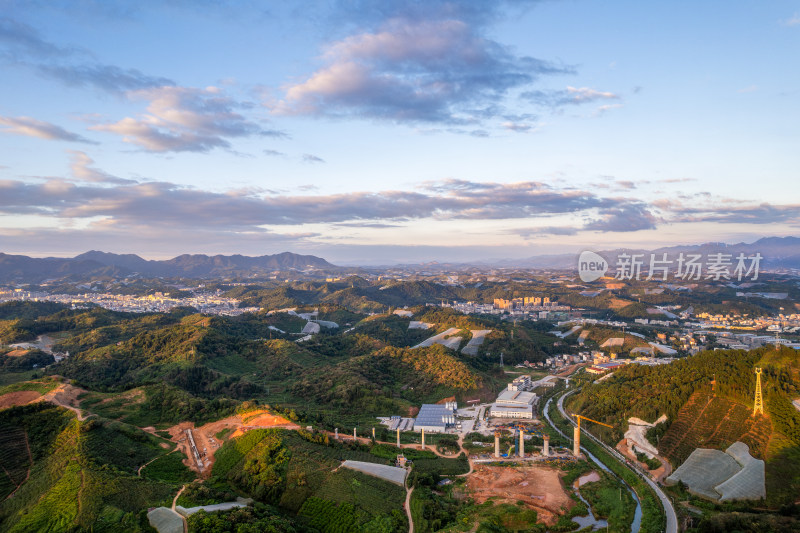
column 212, row 408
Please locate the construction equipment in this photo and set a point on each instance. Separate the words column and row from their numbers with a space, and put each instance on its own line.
column 576, row 449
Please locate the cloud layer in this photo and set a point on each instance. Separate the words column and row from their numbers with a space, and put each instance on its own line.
column 437, row 68
column 183, row 119
column 95, row 195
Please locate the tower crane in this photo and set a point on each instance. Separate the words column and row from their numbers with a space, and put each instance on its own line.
column 576, row 449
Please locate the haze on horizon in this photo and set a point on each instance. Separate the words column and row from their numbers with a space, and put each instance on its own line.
column 372, row 132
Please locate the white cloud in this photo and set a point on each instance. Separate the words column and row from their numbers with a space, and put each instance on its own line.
column 184, row 119
column 414, row 70
column 31, row 127
column 580, row 95
column 82, row 169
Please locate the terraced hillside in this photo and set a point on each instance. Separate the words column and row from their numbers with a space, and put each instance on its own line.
column 707, row 421
column 15, row 459
column 299, row 472
column 72, row 475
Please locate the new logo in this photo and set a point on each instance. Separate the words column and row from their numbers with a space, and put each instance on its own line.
column 591, row 266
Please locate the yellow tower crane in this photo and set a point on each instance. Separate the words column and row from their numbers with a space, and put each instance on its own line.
column 576, row 448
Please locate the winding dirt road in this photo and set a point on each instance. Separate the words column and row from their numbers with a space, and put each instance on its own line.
column 408, row 510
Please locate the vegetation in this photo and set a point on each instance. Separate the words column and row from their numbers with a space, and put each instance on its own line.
column 255, row 519
column 651, row 464
column 610, row 501
column 295, row 471
column 41, row 385
column 699, row 418
column 653, row 519
column 160, row 369
column 77, row 478
column 168, row 468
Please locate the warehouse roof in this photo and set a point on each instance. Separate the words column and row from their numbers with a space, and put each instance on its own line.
column 431, row 415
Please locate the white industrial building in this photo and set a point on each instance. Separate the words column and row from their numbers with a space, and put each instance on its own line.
column 511, row 411
column 436, row 418
column 514, row 404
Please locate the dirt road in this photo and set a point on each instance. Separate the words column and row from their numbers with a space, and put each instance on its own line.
column 408, row 510
column 66, row 396
column 659, row 474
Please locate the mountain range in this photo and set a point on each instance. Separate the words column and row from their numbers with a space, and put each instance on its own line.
column 776, row 252
column 24, row 269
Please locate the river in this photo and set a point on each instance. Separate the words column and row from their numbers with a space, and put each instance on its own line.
column 637, row 516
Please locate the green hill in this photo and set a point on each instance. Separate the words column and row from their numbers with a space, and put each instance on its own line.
column 708, row 421
column 79, row 475
column 190, row 366
column 299, row 472
column 696, row 418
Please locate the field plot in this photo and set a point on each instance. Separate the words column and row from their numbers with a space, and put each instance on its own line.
column 613, row 341
column 539, row 487
column 478, row 336
column 447, row 339
column 18, row 398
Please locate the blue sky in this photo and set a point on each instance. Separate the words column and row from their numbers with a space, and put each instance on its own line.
column 380, row 132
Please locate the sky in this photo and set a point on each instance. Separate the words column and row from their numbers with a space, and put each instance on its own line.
column 374, row 132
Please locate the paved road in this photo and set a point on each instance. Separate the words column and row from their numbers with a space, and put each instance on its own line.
column 669, row 510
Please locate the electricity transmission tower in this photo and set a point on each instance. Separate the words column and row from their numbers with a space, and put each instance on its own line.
column 758, row 407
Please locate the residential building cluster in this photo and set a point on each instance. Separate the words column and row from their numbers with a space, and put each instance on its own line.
column 749, row 341
column 206, row 303
column 528, row 308
column 516, row 303
column 781, row 322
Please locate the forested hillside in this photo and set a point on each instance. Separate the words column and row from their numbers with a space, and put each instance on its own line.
column 68, row 474
column 698, row 417
column 182, row 365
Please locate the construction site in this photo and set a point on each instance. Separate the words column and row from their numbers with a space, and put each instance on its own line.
column 539, row 487
column 199, row 444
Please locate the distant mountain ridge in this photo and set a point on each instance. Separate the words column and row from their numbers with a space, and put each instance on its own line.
column 777, row 252
column 24, row 269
